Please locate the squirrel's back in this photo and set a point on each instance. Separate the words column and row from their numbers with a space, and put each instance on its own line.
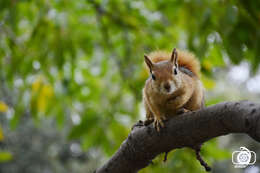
column 185, row 59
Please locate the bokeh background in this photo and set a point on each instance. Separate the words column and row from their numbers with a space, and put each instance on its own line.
column 71, row 75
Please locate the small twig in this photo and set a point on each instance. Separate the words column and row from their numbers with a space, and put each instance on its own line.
column 165, row 156
column 200, row 159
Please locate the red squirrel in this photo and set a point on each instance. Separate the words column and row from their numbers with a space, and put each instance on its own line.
column 174, row 85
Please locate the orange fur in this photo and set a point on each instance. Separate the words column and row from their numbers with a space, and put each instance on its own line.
column 185, row 59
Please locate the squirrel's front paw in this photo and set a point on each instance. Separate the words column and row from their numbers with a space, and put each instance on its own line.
column 158, row 123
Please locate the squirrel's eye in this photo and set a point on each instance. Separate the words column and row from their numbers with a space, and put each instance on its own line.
column 153, row 77
column 175, row 71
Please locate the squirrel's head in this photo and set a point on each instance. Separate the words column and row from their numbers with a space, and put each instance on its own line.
column 165, row 74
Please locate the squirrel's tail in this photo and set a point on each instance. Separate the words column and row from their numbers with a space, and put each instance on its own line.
column 185, row 59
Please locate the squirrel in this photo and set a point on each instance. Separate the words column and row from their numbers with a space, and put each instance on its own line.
column 173, row 87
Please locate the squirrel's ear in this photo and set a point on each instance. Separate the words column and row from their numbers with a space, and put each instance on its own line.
column 148, row 62
column 174, row 57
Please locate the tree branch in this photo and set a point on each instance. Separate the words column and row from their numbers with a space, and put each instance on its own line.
column 190, row 129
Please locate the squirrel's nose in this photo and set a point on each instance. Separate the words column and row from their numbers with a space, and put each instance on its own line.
column 167, row 86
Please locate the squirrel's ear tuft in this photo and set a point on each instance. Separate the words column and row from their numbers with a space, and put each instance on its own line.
column 148, row 62
column 174, row 57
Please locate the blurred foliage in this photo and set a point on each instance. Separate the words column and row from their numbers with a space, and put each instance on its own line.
column 1, row 134
column 3, row 107
column 5, row 156
column 82, row 60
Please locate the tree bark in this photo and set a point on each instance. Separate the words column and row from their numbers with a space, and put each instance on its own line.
column 190, row 129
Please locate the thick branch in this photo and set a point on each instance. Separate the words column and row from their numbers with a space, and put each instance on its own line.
column 144, row 143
